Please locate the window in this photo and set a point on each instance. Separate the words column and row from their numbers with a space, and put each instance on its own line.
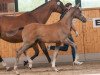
column 28, row 5
column 90, row 3
column 67, row 1
column 7, row 6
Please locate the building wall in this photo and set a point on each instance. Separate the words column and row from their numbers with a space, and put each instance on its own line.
column 88, row 40
column 91, row 35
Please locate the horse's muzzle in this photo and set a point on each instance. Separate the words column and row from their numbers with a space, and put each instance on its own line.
column 83, row 19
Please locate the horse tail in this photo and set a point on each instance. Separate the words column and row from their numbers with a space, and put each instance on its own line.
column 13, row 32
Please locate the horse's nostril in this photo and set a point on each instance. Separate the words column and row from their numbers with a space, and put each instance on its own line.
column 84, row 20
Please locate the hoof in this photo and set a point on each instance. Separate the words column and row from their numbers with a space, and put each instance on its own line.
column 25, row 63
column 49, row 60
column 17, row 73
column 8, row 69
column 30, row 65
column 30, row 68
column 77, row 63
column 55, row 69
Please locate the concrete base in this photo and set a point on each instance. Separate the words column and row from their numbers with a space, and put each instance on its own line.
column 61, row 58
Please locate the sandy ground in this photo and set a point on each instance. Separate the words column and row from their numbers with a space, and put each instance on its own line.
column 88, row 68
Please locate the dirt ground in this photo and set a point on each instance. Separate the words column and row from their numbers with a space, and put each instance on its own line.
column 88, row 68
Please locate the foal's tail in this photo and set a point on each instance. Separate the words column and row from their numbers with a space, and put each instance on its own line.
column 13, row 32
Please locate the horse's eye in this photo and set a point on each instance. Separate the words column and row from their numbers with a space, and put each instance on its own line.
column 58, row 3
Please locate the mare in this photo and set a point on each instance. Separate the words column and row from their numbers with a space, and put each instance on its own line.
column 39, row 15
column 52, row 33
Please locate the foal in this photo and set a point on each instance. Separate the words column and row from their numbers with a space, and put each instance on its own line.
column 57, row 32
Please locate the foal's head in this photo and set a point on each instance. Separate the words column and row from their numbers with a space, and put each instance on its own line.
column 57, row 6
column 78, row 13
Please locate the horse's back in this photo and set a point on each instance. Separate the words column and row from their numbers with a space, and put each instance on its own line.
column 43, row 32
column 13, row 22
column 31, row 27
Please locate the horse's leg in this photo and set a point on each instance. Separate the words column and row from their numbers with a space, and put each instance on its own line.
column 1, row 59
column 18, row 54
column 54, row 59
column 36, row 50
column 28, row 60
column 4, row 64
column 44, row 49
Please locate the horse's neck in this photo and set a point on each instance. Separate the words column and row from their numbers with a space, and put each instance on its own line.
column 42, row 13
column 67, row 19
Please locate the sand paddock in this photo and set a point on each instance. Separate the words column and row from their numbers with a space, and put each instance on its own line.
column 88, row 68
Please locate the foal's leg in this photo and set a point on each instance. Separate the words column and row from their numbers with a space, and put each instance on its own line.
column 18, row 54
column 36, row 50
column 54, row 59
column 29, row 61
column 44, row 49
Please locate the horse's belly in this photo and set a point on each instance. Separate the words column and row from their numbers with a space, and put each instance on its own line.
column 12, row 39
column 56, row 38
column 50, row 39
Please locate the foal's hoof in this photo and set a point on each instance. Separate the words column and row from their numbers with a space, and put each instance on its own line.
column 30, row 65
column 55, row 69
column 25, row 63
column 17, row 73
column 49, row 61
column 8, row 69
column 30, row 68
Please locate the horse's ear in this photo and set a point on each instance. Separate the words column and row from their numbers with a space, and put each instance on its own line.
column 77, row 5
column 55, row 0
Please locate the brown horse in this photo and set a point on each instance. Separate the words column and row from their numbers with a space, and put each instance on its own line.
column 39, row 15
column 57, row 32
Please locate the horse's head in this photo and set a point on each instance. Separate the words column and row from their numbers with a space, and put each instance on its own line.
column 78, row 13
column 57, row 6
